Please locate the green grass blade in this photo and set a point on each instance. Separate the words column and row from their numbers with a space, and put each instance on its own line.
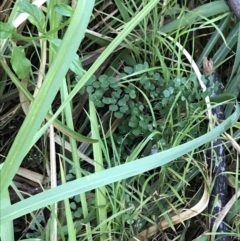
column 100, row 193
column 68, row 213
column 69, row 120
column 51, row 85
column 207, row 10
column 113, row 174
column 6, row 228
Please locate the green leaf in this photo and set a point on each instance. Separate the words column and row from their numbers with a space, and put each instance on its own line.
column 143, row 79
column 143, row 124
column 132, row 94
column 141, row 107
column 145, row 65
column 98, row 103
column 96, row 84
column 171, row 90
column 73, row 205
column 124, row 108
column 118, row 114
column 90, row 89
column 135, row 112
column 98, row 94
column 156, row 76
column 152, row 87
column 137, row 132
column 133, row 124
column 122, row 102
column 126, row 98
column 113, row 107
column 164, row 101
column 6, row 30
column 36, row 16
column 105, row 85
column 183, row 98
column 166, row 93
column 20, row 63
column 139, row 67
column 128, row 70
column 147, row 85
column 134, row 119
column 151, row 73
column 107, row 100
column 103, row 78
column 116, row 93
column 112, row 80
column 64, row 9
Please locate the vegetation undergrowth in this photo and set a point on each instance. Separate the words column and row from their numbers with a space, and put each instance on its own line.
column 103, row 119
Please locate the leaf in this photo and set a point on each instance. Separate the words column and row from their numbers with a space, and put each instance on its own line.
column 128, row 70
column 103, row 78
column 222, row 98
column 166, row 93
column 118, row 115
column 137, row 132
column 174, row 10
column 90, row 89
column 147, row 85
column 96, row 85
column 133, row 124
column 171, row 90
column 156, row 76
column 20, row 63
column 36, row 16
column 64, row 9
column 113, row 107
column 104, row 85
column 141, row 107
column 6, row 30
column 139, row 67
column 116, row 93
column 143, row 79
column 132, row 94
column 124, row 109
column 152, row 87
column 112, row 80
column 164, row 101
column 107, row 100
column 76, row 65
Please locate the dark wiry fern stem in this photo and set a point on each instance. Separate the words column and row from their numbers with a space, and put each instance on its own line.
column 216, row 157
column 234, row 6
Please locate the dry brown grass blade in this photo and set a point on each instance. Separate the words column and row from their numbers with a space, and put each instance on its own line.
column 189, row 213
column 30, row 175
column 5, row 9
column 9, row 115
column 23, row 99
column 233, row 142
